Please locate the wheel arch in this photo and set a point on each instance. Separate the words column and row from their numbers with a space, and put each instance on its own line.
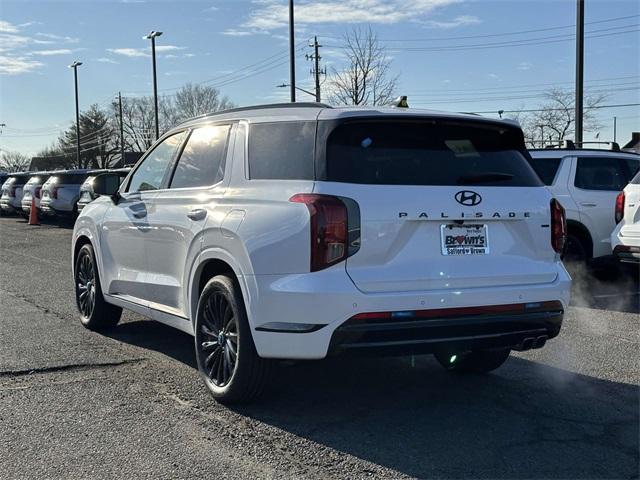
column 581, row 232
column 209, row 264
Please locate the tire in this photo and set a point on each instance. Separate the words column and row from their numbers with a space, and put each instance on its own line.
column 574, row 250
column 225, row 353
column 479, row 361
column 95, row 313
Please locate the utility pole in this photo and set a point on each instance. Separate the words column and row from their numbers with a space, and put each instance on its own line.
column 316, row 68
column 615, row 120
column 292, row 56
column 75, row 66
column 152, row 36
column 121, row 129
column 542, row 134
column 579, row 69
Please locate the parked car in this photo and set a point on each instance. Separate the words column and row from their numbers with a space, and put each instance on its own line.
column 32, row 190
column 87, row 195
column 3, row 178
column 61, row 192
column 11, row 200
column 586, row 182
column 625, row 238
column 299, row 231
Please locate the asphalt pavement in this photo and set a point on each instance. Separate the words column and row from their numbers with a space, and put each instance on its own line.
column 130, row 404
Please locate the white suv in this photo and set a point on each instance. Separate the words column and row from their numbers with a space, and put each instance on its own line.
column 625, row 239
column 586, row 182
column 299, row 231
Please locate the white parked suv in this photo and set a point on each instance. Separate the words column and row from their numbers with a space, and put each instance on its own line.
column 625, row 239
column 298, row 231
column 11, row 199
column 586, row 182
column 32, row 191
column 60, row 194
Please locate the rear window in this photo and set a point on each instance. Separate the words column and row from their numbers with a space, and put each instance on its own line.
column 428, row 153
column 38, row 179
column 546, row 168
column 17, row 180
column 282, row 150
column 69, row 178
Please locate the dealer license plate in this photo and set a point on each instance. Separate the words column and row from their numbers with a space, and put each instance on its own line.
column 464, row 239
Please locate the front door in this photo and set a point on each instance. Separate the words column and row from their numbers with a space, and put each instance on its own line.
column 126, row 231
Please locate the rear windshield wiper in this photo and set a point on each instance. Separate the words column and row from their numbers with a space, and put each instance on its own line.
column 484, row 178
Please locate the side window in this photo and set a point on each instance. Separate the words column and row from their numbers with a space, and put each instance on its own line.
column 632, row 167
column 152, row 172
column 600, row 173
column 282, row 150
column 202, row 160
column 546, row 168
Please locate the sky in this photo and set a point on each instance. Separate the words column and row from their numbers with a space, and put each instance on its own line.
column 456, row 55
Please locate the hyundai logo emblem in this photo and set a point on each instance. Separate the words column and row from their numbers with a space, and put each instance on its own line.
column 468, row 198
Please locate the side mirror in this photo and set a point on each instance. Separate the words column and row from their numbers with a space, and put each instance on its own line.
column 106, row 184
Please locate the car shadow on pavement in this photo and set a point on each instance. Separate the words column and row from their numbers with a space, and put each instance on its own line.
column 526, row 420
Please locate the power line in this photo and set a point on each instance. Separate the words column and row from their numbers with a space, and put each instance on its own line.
column 511, row 43
column 619, row 105
column 491, row 35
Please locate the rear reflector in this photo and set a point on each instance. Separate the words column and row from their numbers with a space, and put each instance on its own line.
column 514, row 308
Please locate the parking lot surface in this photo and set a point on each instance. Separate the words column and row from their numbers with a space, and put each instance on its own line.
column 130, row 404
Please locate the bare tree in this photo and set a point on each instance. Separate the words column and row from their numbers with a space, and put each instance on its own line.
column 556, row 118
column 366, row 79
column 193, row 100
column 14, row 161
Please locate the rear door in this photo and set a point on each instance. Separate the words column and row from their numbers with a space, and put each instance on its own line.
column 177, row 214
column 597, row 182
column 444, row 204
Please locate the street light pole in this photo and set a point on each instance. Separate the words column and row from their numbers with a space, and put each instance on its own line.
column 579, row 69
column 75, row 66
column 292, row 57
column 152, row 36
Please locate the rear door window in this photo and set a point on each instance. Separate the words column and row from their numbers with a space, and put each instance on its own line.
column 202, row 160
column 632, row 167
column 546, row 168
column 428, row 153
column 600, row 173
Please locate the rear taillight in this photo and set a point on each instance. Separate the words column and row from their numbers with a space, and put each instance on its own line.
column 558, row 226
column 37, row 192
column 53, row 192
column 329, row 228
column 620, row 207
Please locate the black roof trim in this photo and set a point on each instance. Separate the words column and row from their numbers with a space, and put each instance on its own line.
column 259, row 107
column 577, row 150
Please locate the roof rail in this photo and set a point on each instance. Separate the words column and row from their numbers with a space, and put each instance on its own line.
column 260, row 107
column 614, row 145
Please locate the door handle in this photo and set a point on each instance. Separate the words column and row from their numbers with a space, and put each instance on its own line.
column 588, row 204
column 197, row 214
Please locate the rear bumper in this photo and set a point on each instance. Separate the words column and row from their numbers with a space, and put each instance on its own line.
column 627, row 253
column 521, row 329
column 320, row 307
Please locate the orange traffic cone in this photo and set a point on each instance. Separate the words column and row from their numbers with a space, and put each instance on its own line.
column 33, row 213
